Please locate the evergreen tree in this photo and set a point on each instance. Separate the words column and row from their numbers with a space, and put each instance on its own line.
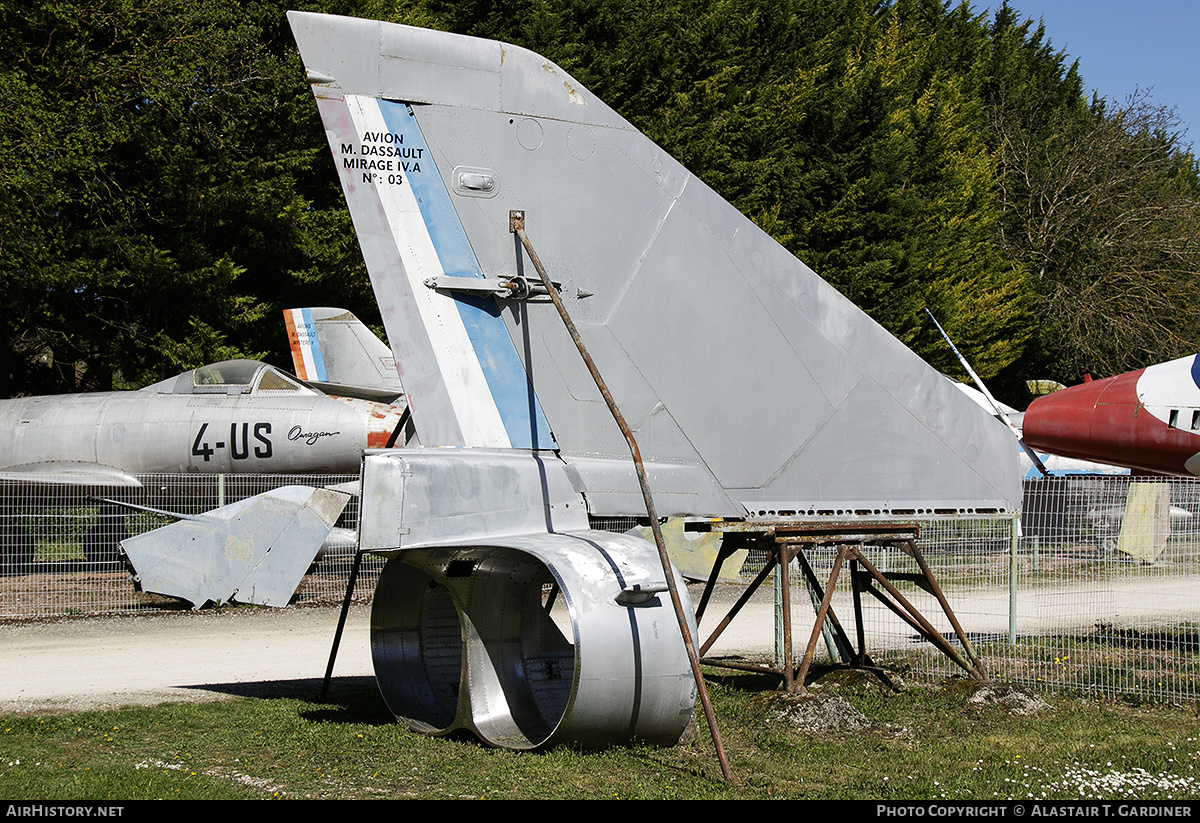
column 165, row 188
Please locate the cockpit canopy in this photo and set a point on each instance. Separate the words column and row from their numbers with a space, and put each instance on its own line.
column 232, row 377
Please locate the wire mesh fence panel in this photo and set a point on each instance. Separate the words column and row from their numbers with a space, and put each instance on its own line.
column 1101, row 595
column 1107, row 587
column 1099, row 592
column 59, row 543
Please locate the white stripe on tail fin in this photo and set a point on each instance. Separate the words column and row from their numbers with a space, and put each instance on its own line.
column 465, row 381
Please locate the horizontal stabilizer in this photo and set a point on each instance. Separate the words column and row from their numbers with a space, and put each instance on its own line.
column 390, row 396
column 195, row 518
column 253, row 551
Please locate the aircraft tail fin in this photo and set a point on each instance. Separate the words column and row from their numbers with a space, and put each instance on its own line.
column 752, row 385
column 336, row 352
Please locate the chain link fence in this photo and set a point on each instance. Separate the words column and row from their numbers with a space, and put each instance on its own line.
column 58, row 543
column 1102, row 594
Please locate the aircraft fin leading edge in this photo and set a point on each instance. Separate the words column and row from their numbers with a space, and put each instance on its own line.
column 464, row 379
column 752, row 386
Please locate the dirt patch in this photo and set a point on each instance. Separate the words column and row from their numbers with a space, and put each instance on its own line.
column 845, row 678
column 1009, row 698
column 816, row 714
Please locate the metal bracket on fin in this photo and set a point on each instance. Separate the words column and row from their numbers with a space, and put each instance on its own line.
column 508, row 288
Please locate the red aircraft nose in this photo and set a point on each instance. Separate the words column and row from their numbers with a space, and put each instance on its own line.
column 1105, row 421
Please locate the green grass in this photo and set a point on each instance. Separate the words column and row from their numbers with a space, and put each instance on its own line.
column 923, row 743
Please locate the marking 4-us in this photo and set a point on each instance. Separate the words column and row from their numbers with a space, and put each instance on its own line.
column 239, row 442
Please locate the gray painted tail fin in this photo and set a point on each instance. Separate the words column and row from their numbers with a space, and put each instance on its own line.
column 752, row 386
column 336, row 352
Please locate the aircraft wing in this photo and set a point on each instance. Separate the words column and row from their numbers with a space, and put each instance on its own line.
column 70, row 473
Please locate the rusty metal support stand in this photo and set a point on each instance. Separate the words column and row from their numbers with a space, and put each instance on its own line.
column 791, row 537
column 723, row 554
column 516, row 225
column 737, row 607
column 845, row 650
column 971, row 664
column 915, row 553
column 860, row 633
column 337, row 635
column 820, row 621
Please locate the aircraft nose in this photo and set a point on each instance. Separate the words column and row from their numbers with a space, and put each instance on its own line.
column 1105, row 421
column 1091, row 421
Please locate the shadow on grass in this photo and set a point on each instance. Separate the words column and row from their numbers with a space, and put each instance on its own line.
column 818, row 674
column 350, row 699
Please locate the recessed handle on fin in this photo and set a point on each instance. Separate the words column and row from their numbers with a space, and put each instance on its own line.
column 475, row 181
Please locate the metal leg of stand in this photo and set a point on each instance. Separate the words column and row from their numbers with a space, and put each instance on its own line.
column 337, row 635
column 816, row 632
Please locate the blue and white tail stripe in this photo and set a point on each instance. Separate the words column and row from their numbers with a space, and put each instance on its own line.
column 482, row 375
column 306, row 348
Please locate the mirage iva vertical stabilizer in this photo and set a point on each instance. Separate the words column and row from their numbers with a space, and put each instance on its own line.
column 753, row 388
column 752, row 383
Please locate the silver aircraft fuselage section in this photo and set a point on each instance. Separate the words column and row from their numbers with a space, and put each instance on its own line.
column 461, row 630
column 237, row 416
column 753, row 387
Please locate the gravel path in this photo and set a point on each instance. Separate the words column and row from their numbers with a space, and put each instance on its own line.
column 82, row 663
column 74, row 664
column 144, row 659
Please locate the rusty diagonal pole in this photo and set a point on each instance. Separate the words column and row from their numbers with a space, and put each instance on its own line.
column 516, row 224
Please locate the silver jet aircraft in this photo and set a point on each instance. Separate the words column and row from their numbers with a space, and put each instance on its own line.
column 236, row 416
